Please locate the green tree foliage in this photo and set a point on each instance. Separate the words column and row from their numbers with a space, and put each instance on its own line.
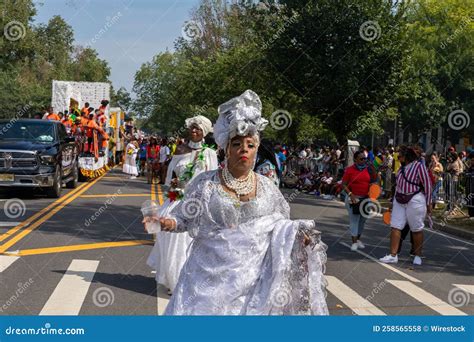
column 342, row 69
column 31, row 56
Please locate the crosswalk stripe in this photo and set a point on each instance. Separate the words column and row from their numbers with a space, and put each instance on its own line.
column 6, row 261
column 162, row 299
column 466, row 288
column 391, row 268
column 426, row 298
column 68, row 296
column 352, row 299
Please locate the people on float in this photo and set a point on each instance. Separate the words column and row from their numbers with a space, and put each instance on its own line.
column 50, row 115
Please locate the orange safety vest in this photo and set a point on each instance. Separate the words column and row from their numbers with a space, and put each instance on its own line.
column 90, row 126
column 53, row 117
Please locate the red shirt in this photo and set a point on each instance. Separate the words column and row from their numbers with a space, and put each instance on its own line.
column 358, row 181
column 152, row 153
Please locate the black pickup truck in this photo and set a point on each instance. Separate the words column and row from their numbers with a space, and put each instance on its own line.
column 37, row 154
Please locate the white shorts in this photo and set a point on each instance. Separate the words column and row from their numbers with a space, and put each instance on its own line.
column 413, row 213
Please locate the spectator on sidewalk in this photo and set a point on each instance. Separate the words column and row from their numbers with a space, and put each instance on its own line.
column 436, row 169
column 454, row 170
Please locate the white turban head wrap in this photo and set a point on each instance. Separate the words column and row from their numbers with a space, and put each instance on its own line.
column 204, row 123
column 241, row 116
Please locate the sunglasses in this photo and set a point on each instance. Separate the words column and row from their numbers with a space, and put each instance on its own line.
column 362, row 159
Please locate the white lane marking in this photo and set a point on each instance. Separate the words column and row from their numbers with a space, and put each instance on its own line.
column 352, row 299
column 466, row 288
column 391, row 268
column 426, row 298
column 70, row 293
column 162, row 299
column 4, row 224
column 6, row 261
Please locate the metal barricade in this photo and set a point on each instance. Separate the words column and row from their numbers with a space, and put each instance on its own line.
column 457, row 191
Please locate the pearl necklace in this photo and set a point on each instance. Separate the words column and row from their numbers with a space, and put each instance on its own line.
column 241, row 187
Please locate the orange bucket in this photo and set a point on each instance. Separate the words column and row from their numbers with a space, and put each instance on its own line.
column 386, row 217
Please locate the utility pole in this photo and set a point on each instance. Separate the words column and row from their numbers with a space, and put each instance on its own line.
column 395, row 132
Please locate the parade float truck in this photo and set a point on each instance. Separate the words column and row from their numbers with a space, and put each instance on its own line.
column 72, row 96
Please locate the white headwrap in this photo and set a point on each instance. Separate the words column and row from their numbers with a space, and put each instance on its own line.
column 204, row 123
column 241, row 116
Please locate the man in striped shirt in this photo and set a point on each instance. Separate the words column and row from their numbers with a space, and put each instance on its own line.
column 411, row 203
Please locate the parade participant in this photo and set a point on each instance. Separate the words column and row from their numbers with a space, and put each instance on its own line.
column 356, row 182
column 100, row 118
column 246, row 252
column 142, row 155
column 89, row 125
column 86, row 110
column 411, row 203
column 130, row 164
column 169, row 253
column 52, row 116
column 103, row 106
column 267, row 164
column 164, row 158
column 66, row 121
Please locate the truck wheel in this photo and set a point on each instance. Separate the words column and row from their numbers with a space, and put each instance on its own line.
column 72, row 184
column 55, row 190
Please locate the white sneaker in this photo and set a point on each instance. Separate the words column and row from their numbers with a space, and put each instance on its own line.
column 417, row 260
column 360, row 244
column 354, row 247
column 133, row 177
column 389, row 259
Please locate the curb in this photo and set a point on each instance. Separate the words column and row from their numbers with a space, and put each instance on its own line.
column 453, row 230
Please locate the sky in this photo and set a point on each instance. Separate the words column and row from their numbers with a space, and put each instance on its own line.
column 126, row 33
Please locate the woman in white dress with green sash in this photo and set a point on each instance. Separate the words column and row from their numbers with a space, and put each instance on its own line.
column 170, row 250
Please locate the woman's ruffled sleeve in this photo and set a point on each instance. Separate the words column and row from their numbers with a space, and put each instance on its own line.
column 190, row 210
column 275, row 196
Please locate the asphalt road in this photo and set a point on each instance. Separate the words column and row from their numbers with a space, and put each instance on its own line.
column 85, row 254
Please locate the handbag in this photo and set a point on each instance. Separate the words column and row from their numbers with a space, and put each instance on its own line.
column 356, row 207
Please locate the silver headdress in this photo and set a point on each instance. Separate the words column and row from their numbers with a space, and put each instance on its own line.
column 241, row 116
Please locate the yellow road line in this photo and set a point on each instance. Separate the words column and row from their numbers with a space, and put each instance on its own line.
column 153, row 192
column 46, row 216
column 40, row 213
column 114, row 195
column 160, row 194
column 83, row 247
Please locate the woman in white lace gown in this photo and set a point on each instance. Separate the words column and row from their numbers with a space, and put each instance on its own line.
column 247, row 256
column 170, row 250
